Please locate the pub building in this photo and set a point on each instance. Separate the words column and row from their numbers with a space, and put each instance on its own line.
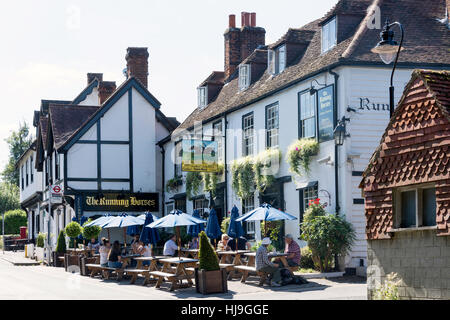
column 96, row 154
column 304, row 85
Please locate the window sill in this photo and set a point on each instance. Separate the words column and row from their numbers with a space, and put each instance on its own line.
column 412, row 229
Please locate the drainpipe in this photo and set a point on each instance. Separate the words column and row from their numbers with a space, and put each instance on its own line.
column 225, row 167
column 163, row 193
column 336, row 154
column 336, row 148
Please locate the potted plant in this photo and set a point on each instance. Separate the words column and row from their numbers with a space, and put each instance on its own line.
column 209, row 278
column 91, row 232
column 40, row 241
column 72, row 230
column 60, row 249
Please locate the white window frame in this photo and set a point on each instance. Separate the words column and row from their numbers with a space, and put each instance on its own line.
column 309, row 193
column 248, row 132
column 244, row 76
column 308, row 115
column 248, row 205
column 277, row 60
column 419, row 216
column 329, row 39
column 202, row 93
column 218, row 136
column 272, row 126
column 201, row 205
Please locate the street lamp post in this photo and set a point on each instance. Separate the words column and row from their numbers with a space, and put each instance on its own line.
column 389, row 51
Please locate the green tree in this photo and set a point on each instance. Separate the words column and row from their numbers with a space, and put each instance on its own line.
column 91, row 232
column 14, row 219
column 208, row 259
column 61, row 245
column 9, row 197
column 18, row 142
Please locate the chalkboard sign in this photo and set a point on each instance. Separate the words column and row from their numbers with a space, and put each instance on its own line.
column 325, row 107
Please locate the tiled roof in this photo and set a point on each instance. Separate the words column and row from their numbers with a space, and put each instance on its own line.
column 43, row 127
column 415, row 149
column 66, row 119
column 426, row 42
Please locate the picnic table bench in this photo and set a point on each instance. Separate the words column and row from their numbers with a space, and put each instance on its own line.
column 104, row 271
column 175, row 275
column 236, row 260
column 135, row 272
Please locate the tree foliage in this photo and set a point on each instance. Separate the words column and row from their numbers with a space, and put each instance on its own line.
column 61, row 245
column 14, row 219
column 18, row 142
column 207, row 256
column 91, row 232
column 9, row 197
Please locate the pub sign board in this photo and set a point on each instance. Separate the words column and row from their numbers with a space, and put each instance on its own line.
column 325, row 110
column 120, row 202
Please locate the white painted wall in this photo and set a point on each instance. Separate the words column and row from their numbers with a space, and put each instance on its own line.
column 32, row 187
column 92, row 99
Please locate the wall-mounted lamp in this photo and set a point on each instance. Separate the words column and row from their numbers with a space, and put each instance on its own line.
column 340, row 132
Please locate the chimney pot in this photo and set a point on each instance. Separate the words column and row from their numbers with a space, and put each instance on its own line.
column 253, row 19
column 232, row 21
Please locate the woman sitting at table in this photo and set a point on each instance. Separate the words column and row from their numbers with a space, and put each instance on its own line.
column 114, row 257
column 223, row 244
column 135, row 243
column 144, row 250
column 193, row 244
column 104, row 252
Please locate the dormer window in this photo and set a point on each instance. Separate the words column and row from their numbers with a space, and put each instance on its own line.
column 277, row 60
column 202, row 97
column 244, row 76
column 329, row 38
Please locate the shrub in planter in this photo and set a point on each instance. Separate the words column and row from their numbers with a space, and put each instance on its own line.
column 60, row 249
column 209, row 278
column 91, row 232
column 300, row 153
column 73, row 230
column 327, row 235
column 40, row 240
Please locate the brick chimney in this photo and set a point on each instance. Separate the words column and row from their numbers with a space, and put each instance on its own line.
column 137, row 64
column 241, row 42
column 92, row 76
column 105, row 90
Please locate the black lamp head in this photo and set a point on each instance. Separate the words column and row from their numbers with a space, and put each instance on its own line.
column 387, row 48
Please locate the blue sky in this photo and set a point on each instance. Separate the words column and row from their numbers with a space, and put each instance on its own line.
column 49, row 46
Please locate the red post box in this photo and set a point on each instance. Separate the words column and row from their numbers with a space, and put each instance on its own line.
column 23, row 232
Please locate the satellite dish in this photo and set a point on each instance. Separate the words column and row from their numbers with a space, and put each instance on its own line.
column 125, row 73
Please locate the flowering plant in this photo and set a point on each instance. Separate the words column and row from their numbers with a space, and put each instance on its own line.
column 300, row 153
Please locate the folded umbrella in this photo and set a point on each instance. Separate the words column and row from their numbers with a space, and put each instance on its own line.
column 212, row 227
column 235, row 229
column 149, row 235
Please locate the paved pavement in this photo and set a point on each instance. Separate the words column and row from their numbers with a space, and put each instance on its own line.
column 42, row 282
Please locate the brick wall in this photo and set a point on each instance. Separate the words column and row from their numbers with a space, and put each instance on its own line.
column 420, row 258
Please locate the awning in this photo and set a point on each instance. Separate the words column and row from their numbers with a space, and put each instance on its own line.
column 309, row 184
column 179, row 196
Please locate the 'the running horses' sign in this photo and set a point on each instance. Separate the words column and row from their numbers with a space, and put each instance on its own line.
column 122, row 202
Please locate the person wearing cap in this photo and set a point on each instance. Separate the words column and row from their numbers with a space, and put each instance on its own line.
column 292, row 250
column 263, row 263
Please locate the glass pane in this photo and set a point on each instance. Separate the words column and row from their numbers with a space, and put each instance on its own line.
column 429, row 207
column 332, row 33
column 408, row 209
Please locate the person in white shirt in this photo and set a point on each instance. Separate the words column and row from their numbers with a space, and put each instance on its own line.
column 104, row 251
column 170, row 247
column 144, row 250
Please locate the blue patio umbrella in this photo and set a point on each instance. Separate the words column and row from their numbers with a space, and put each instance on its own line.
column 132, row 230
column 194, row 230
column 149, row 235
column 175, row 219
column 102, row 221
column 212, row 227
column 235, row 229
column 266, row 213
column 123, row 221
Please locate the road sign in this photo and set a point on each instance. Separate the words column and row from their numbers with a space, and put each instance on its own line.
column 56, row 193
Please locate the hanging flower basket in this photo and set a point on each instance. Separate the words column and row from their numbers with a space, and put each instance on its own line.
column 299, row 155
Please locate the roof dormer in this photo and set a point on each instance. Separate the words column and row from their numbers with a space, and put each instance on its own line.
column 209, row 89
column 252, row 68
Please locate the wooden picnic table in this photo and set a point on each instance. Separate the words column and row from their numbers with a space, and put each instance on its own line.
column 190, row 252
column 282, row 256
column 178, row 275
column 236, row 255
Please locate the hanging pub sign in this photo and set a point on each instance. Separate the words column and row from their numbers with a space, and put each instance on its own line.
column 120, row 202
column 199, row 156
column 325, row 119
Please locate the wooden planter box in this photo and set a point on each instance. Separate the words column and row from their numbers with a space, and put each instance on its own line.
column 56, row 261
column 71, row 260
column 84, row 261
column 207, row 282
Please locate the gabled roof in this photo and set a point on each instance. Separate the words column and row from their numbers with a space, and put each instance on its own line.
column 87, row 91
column 216, row 77
column 32, row 147
column 123, row 89
column 66, row 119
column 46, row 103
column 426, row 44
column 43, row 129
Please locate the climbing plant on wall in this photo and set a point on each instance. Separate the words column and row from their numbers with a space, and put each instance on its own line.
column 243, row 177
column 210, row 179
column 300, row 153
column 266, row 164
column 193, row 183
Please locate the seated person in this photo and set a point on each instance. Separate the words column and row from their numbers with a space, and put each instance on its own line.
column 114, row 257
column 194, row 244
column 223, row 244
column 170, row 247
column 94, row 245
column 144, row 250
column 104, row 252
column 292, row 250
column 135, row 243
column 242, row 244
column 262, row 263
